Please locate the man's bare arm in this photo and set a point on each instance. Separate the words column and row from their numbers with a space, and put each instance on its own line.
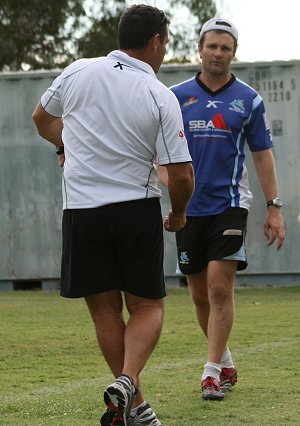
column 265, row 169
column 48, row 126
column 180, row 185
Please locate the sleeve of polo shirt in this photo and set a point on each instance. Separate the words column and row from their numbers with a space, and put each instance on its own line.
column 51, row 100
column 257, row 129
column 171, row 144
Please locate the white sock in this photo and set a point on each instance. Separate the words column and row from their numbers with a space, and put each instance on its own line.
column 211, row 369
column 226, row 360
column 133, row 411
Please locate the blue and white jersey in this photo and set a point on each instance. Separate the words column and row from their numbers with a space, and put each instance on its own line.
column 219, row 126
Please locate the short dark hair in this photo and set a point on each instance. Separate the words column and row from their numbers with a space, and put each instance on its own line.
column 138, row 24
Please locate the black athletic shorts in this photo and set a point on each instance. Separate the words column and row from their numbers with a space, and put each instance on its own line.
column 206, row 238
column 117, row 246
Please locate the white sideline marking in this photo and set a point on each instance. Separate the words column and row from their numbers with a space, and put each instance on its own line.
column 98, row 382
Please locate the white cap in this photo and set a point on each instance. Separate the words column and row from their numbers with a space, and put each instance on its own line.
column 219, row 24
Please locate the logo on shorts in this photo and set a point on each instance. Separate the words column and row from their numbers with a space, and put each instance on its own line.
column 184, row 259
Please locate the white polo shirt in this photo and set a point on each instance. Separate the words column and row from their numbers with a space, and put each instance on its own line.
column 118, row 121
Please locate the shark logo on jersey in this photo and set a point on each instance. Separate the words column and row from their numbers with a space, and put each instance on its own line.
column 237, row 105
column 184, row 259
column 191, row 101
column 213, row 104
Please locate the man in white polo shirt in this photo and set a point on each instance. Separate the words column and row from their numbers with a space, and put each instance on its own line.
column 112, row 121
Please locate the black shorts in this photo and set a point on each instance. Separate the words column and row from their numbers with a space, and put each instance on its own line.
column 206, row 238
column 117, row 246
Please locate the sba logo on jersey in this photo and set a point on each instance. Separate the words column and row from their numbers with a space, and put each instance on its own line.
column 217, row 122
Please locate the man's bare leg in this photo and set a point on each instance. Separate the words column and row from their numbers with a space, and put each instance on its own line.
column 126, row 348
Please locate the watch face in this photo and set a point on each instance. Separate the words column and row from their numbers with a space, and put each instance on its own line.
column 277, row 202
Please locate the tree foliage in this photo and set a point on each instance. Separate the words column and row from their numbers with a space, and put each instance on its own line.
column 185, row 34
column 34, row 33
column 40, row 34
column 101, row 37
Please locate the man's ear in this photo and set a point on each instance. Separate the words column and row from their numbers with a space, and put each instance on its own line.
column 200, row 50
column 155, row 41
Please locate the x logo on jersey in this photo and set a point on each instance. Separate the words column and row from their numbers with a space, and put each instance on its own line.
column 119, row 65
column 213, row 104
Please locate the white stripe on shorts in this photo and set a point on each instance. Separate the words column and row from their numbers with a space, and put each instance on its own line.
column 238, row 255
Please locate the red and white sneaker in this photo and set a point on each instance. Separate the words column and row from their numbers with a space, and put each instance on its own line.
column 228, row 378
column 211, row 390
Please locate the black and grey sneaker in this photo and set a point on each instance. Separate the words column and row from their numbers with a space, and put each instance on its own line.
column 119, row 396
column 144, row 416
column 111, row 418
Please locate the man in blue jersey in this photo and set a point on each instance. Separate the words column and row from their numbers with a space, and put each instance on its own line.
column 222, row 116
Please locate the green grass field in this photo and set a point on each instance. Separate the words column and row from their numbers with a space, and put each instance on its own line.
column 51, row 372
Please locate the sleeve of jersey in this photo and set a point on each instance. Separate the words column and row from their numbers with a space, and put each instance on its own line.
column 257, row 128
column 51, row 101
column 171, row 144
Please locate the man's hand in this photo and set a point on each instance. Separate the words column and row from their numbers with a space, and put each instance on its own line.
column 274, row 227
column 173, row 223
column 61, row 160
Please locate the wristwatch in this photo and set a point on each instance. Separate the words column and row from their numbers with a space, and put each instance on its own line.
column 275, row 202
column 60, row 150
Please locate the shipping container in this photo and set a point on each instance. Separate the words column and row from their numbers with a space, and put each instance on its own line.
column 30, row 193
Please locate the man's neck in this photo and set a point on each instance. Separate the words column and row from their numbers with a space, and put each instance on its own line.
column 140, row 54
column 214, row 82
